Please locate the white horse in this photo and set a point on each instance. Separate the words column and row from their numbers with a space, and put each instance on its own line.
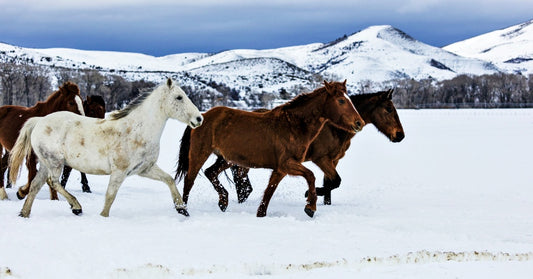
column 124, row 144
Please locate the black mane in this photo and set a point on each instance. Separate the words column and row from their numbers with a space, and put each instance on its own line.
column 131, row 106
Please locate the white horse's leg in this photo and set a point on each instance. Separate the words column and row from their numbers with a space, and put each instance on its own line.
column 74, row 204
column 115, row 180
column 3, row 194
column 35, row 186
column 157, row 173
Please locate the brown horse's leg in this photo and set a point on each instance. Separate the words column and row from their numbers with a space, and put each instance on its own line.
column 332, row 179
column 212, row 174
column 242, row 182
column 3, row 166
column 65, row 175
column 85, row 183
column 296, row 168
column 196, row 162
column 275, row 178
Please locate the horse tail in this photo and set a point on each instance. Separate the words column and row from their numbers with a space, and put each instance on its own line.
column 21, row 149
column 183, row 159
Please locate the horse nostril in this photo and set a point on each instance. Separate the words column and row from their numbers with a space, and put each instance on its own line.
column 399, row 136
column 358, row 125
column 199, row 119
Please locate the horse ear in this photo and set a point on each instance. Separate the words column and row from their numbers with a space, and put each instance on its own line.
column 169, row 82
column 344, row 83
column 389, row 94
column 327, row 86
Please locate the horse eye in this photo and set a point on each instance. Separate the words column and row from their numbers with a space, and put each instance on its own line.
column 388, row 109
column 179, row 98
column 342, row 101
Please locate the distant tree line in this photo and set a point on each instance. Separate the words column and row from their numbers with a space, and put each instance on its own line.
column 26, row 84
column 464, row 91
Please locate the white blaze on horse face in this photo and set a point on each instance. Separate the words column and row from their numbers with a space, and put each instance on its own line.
column 79, row 103
column 349, row 100
column 182, row 108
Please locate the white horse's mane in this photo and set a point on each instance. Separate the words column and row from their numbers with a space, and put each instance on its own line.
column 130, row 107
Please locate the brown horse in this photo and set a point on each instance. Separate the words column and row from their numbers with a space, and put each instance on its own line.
column 13, row 117
column 277, row 139
column 94, row 106
column 331, row 144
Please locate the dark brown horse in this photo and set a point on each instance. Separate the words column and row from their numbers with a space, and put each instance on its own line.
column 13, row 117
column 277, row 139
column 331, row 144
column 94, row 106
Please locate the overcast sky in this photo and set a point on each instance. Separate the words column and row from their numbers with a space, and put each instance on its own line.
column 161, row 27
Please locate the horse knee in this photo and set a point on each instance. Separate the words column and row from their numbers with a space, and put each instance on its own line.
column 211, row 173
column 332, row 183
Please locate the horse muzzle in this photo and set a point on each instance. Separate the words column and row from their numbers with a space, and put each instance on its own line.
column 196, row 122
column 398, row 137
column 358, row 126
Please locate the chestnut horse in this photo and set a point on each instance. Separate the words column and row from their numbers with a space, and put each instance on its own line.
column 331, row 144
column 67, row 98
column 94, row 106
column 277, row 139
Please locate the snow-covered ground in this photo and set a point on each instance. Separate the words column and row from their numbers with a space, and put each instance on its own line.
column 447, row 202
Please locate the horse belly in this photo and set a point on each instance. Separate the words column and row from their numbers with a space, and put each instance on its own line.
column 89, row 164
column 250, row 153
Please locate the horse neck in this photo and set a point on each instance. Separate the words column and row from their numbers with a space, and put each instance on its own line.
column 308, row 115
column 365, row 108
column 149, row 112
column 52, row 104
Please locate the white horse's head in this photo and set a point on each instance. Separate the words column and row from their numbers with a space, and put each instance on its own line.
column 177, row 105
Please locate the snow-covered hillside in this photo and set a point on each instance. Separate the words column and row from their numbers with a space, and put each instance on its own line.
column 510, row 49
column 377, row 54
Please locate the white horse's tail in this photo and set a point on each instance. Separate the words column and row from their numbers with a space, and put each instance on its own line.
column 21, row 149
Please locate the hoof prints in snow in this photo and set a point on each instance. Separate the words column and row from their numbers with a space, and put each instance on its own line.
column 420, row 257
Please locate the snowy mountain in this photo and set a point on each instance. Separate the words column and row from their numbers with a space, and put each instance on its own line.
column 510, row 49
column 376, row 54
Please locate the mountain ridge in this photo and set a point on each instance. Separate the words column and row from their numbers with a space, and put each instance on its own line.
column 377, row 54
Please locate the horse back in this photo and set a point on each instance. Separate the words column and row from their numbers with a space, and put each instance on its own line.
column 241, row 137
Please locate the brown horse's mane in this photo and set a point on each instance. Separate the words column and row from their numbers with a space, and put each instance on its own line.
column 300, row 99
column 359, row 97
column 67, row 87
column 130, row 107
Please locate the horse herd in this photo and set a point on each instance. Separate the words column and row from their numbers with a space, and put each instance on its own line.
column 65, row 132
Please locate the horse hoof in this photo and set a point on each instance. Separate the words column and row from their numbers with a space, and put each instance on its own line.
column 309, row 212
column 19, row 196
column 87, row 190
column 222, row 207
column 183, row 211
column 76, row 211
column 23, row 215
